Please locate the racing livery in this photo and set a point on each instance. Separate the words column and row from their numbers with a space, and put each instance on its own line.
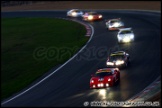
column 118, row 59
column 105, row 77
column 74, row 13
column 114, row 24
column 125, row 35
column 91, row 16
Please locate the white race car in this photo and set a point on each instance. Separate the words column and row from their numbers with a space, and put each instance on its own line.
column 74, row 13
column 125, row 35
column 114, row 24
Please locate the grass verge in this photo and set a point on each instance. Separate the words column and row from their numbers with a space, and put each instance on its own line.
column 32, row 46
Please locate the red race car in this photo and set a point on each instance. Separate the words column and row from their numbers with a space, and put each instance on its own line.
column 105, row 77
column 91, row 16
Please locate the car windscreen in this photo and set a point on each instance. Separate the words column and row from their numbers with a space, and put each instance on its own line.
column 125, row 32
column 93, row 13
column 116, row 57
column 114, row 21
column 77, row 11
column 102, row 74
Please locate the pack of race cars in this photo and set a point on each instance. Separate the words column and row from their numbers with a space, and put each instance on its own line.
column 109, row 76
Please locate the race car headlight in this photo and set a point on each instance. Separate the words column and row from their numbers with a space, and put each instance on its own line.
column 116, row 24
column 98, row 85
column 121, row 24
column 110, row 26
column 119, row 37
column 110, row 63
column 107, row 84
column 109, row 79
column 119, row 62
column 100, row 16
column 92, row 81
column 74, row 13
column 90, row 17
column 101, row 84
column 126, row 39
column 132, row 36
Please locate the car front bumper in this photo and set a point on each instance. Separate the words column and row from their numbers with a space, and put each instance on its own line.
column 115, row 28
column 101, row 85
column 126, row 40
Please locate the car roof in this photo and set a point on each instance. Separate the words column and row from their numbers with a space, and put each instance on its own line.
column 105, row 70
column 123, row 29
column 117, row 53
column 91, row 12
column 74, row 10
column 115, row 19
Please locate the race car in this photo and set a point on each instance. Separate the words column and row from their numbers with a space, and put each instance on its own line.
column 91, row 16
column 106, row 77
column 125, row 35
column 114, row 24
column 74, row 13
column 118, row 59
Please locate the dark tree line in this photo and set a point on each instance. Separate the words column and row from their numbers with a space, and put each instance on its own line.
column 14, row 3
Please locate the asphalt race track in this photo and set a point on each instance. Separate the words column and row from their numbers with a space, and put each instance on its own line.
column 69, row 86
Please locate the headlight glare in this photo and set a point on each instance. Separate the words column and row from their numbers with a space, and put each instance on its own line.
column 116, row 24
column 132, row 36
column 90, row 17
column 100, row 16
column 74, row 13
column 109, row 79
column 110, row 63
column 92, row 81
column 127, row 39
column 119, row 62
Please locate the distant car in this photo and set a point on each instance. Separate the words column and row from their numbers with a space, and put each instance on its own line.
column 105, row 77
column 114, row 24
column 125, row 35
column 74, row 13
column 91, row 16
column 118, row 59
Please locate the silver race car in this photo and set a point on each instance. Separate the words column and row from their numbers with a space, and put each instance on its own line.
column 125, row 35
column 74, row 13
column 118, row 59
column 114, row 24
